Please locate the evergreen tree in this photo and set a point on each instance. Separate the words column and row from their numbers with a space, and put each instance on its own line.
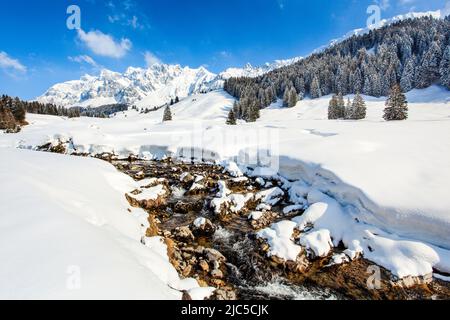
column 286, row 98
column 253, row 112
column 333, row 108
column 407, row 80
column 348, row 114
column 396, row 105
column 290, row 98
column 231, row 120
column 359, row 110
column 340, row 106
column 167, row 114
column 429, row 70
column 315, row 88
column 445, row 68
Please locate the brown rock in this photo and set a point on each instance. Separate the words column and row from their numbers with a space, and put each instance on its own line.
column 204, row 265
column 217, row 274
column 183, row 234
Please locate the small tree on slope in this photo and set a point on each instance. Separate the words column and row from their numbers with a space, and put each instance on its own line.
column 293, row 98
column 396, row 105
column 231, row 120
column 359, row 108
column 445, row 68
column 167, row 114
column 333, row 109
column 340, row 106
column 349, row 111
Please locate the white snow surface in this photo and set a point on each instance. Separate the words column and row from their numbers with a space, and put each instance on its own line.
column 393, row 176
column 66, row 233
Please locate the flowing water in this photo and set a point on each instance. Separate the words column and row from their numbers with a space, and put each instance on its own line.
column 247, row 269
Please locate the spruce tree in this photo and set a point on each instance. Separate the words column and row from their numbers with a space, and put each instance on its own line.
column 359, row 108
column 316, row 92
column 293, row 99
column 332, row 108
column 167, row 114
column 253, row 112
column 445, row 68
column 396, row 105
column 286, row 98
column 231, row 120
column 340, row 106
column 348, row 113
column 407, row 80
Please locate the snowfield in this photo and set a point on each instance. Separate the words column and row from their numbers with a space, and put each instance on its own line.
column 66, row 233
column 387, row 184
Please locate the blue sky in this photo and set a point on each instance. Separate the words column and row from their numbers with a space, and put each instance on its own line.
column 37, row 49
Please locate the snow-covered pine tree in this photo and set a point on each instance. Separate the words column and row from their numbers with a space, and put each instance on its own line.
column 253, row 112
column 359, row 108
column 315, row 88
column 231, row 120
column 300, row 87
column 407, row 81
column 445, row 68
column 286, row 98
column 167, row 114
column 333, row 108
column 429, row 69
column 293, row 98
column 340, row 106
column 348, row 114
column 396, row 105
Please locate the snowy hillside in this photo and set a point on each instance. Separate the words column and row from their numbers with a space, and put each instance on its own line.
column 66, row 233
column 439, row 14
column 150, row 87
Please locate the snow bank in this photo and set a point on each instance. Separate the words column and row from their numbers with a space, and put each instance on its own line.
column 66, row 233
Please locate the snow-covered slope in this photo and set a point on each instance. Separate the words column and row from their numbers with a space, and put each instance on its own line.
column 150, row 87
column 66, row 233
column 439, row 14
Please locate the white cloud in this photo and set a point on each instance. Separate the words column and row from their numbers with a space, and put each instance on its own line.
column 134, row 22
column 151, row 59
column 84, row 59
column 104, row 44
column 383, row 4
column 6, row 62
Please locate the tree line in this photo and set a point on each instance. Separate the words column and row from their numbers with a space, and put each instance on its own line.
column 414, row 53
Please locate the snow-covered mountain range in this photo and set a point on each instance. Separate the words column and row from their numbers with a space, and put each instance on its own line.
column 149, row 87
